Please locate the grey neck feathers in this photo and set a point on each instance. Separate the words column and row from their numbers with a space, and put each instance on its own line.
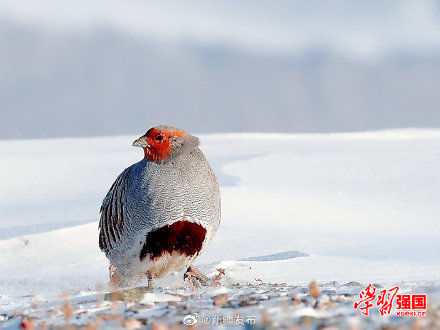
column 182, row 147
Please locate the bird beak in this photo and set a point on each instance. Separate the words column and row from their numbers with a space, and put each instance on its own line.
column 141, row 142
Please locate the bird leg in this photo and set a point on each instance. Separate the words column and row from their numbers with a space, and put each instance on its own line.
column 115, row 279
column 194, row 276
column 118, row 293
column 150, row 280
column 191, row 281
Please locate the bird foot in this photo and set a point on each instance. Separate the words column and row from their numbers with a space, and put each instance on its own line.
column 218, row 277
column 195, row 278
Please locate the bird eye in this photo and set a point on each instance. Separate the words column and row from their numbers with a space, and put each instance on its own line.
column 159, row 137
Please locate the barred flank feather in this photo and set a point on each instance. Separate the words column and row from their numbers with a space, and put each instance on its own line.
column 111, row 223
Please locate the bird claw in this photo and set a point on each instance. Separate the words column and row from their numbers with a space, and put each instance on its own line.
column 195, row 278
column 218, row 277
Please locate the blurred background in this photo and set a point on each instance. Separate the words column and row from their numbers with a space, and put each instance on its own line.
column 107, row 67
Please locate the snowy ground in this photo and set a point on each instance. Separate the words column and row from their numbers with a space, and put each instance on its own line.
column 330, row 207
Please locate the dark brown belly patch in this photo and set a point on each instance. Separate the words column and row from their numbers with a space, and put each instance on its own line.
column 182, row 236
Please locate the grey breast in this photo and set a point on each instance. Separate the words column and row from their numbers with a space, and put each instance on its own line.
column 164, row 192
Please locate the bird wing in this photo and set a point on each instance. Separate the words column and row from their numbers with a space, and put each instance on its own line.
column 111, row 223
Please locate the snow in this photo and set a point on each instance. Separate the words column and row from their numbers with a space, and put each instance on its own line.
column 295, row 208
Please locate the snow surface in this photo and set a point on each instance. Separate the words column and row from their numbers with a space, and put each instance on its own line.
column 328, row 207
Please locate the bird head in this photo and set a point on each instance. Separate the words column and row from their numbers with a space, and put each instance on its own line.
column 161, row 142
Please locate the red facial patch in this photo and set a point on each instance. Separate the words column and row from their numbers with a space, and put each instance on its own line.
column 182, row 236
column 160, row 146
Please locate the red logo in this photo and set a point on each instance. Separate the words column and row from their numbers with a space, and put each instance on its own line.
column 411, row 303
